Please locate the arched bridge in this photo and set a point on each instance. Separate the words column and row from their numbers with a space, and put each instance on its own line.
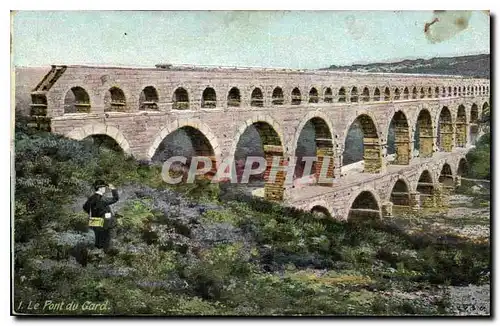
column 434, row 121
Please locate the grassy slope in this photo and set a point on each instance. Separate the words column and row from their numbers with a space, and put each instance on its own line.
column 289, row 264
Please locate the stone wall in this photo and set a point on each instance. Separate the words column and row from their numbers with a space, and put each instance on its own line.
column 145, row 102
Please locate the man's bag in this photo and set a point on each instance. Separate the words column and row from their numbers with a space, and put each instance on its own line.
column 96, row 222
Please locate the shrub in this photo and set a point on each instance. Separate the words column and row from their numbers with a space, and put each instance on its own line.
column 220, row 216
column 202, row 190
column 136, row 215
column 479, row 158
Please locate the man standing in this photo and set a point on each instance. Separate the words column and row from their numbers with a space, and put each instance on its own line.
column 101, row 219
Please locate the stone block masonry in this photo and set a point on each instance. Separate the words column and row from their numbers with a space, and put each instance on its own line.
column 139, row 107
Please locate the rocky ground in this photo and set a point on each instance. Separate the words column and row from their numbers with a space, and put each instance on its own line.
column 465, row 217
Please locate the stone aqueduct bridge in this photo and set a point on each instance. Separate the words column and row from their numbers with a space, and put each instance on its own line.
column 139, row 107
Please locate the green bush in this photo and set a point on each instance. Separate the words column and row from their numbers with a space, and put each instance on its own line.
column 74, row 221
column 202, row 190
column 221, row 216
column 135, row 215
column 479, row 158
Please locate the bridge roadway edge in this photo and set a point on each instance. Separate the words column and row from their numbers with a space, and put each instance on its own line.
column 338, row 199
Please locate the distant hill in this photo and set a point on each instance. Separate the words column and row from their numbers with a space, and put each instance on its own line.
column 471, row 65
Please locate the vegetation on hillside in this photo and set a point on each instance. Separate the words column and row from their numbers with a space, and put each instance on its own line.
column 178, row 255
column 479, row 159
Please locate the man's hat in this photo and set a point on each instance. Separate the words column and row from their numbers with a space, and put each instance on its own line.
column 99, row 183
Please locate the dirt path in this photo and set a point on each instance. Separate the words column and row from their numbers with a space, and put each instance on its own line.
column 462, row 218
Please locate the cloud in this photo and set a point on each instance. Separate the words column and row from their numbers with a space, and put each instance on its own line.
column 354, row 27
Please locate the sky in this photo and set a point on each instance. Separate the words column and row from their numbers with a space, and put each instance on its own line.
column 291, row 39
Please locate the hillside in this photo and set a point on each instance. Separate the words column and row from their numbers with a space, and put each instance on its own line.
column 471, row 65
column 200, row 249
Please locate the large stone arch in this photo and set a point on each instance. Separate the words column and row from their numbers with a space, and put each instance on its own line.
column 272, row 141
column 314, row 93
column 417, row 174
column 182, row 98
column 446, row 175
column 397, row 94
column 426, row 186
column 208, row 97
column 278, row 96
column 108, row 83
column 386, row 194
column 80, row 133
column 235, row 97
column 321, row 203
column 399, row 192
column 296, row 95
column 324, row 141
column 402, row 135
column 425, row 132
column 303, row 121
column 377, row 96
column 79, row 107
column 372, row 148
column 365, row 95
column 360, row 192
column 254, row 99
column 249, row 122
column 462, row 167
column 327, row 94
column 386, row 93
column 149, row 97
column 178, row 124
column 354, row 94
column 445, row 121
column 354, row 115
column 467, row 105
column 439, row 110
